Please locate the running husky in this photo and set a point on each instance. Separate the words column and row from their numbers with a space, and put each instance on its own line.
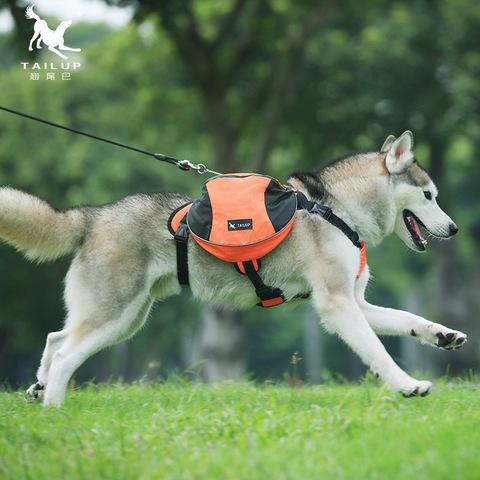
column 124, row 258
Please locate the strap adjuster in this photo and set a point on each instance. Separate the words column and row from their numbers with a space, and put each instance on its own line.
column 322, row 210
column 269, row 296
column 181, row 235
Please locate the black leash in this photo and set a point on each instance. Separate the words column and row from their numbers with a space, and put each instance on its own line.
column 182, row 164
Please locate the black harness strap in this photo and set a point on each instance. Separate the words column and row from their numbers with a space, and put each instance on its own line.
column 269, row 296
column 326, row 213
column 181, row 240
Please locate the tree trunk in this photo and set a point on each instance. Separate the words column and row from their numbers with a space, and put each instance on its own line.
column 313, row 345
column 218, row 346
column 456, row 302
column 220, row 337
column 413, row 355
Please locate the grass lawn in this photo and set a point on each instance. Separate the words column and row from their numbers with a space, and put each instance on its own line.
column 178, row 430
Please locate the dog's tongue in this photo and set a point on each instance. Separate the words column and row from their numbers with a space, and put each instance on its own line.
column 416, row 228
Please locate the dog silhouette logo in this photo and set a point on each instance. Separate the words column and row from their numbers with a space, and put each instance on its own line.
column 53, row 39
column 244, row 224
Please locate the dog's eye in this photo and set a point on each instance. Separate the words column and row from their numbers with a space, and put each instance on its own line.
column 428, row 195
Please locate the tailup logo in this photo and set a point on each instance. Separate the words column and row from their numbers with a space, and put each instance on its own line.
column 53, row 39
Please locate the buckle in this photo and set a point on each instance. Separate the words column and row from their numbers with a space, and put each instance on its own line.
column 323, row 210
column 181, row 235
column 269, row 295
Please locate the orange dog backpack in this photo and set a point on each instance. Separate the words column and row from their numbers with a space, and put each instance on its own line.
column 240, row 218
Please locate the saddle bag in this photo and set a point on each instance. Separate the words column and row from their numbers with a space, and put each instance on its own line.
column 241, row 217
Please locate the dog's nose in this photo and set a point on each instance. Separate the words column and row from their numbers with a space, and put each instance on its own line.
column 453, row 229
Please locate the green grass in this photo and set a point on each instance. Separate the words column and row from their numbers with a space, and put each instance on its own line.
column 178, row 430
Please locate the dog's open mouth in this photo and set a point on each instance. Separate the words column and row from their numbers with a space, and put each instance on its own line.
column 413, row 226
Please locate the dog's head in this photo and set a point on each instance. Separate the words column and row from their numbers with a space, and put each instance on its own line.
column 415, row 195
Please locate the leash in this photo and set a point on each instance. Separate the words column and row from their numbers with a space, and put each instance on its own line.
column 182, row 164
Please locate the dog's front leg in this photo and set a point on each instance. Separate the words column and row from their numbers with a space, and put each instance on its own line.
column 62, row 46
column 341, row 314
column 389, row 321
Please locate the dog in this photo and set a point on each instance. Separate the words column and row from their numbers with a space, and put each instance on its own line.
column 125, row 257
column 49, row 37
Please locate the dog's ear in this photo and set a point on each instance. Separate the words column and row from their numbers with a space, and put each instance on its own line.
column 400, row 156
column 387, row 144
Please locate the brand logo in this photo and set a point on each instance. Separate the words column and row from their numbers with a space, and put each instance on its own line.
column 53, row 39
column 244, row 224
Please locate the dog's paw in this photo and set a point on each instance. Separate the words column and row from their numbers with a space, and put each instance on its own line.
column 36, row 390
column 418, row 388
column 451, row 340
column 439, row 336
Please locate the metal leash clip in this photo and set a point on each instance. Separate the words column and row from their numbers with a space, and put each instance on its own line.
column 199, row 167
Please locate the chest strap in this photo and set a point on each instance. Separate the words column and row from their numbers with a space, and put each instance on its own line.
column 327, row 214
column 177, row 225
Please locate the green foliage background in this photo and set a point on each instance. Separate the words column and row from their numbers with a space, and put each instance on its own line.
column 369, row 70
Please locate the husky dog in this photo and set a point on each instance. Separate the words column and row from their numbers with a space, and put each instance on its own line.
column 50, row 38
column 125, row 257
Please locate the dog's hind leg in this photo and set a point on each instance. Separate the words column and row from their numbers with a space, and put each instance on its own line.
column 54, row 342
column 88, row 337
column 107, row 296
column 389, row 321
column 36, row 34
column 54, row 50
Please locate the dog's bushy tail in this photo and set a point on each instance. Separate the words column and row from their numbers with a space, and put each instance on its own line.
column 37, row 229
column 30, row 14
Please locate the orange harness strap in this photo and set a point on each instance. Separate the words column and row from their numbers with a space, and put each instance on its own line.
column 363, row 260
